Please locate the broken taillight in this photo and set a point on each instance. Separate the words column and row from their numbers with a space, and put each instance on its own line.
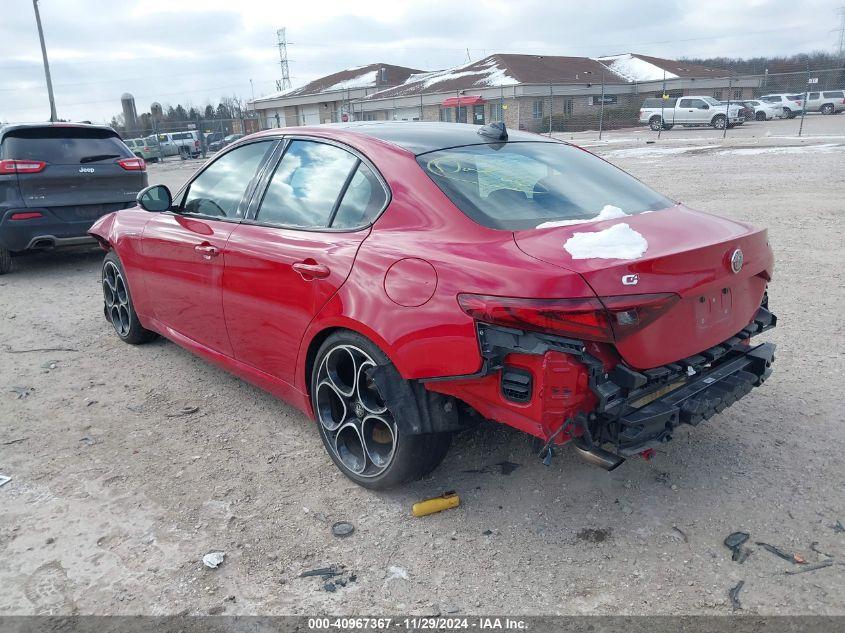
column 591, row 318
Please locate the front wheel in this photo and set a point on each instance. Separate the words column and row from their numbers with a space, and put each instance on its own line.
column 360, row 432
column 719, row 121
column 117, row 304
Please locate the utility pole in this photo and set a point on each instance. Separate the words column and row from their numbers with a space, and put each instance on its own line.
column 282, row 42
column 53, row 116
column 841, row 30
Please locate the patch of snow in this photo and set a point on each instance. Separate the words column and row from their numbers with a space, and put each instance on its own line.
column 397, row 573
column 366, row 80
column 633, row 68
column 608, row 212
column 620, row 241
column 645, row 152
column 489, row 74
column 825, row 148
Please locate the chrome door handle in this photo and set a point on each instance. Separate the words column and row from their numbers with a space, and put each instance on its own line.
column 309, row 270
column 207, row 250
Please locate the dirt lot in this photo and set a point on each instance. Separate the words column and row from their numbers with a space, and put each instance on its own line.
column 113, row 502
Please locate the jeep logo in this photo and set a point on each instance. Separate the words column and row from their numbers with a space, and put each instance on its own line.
column 86, row 170
column 630, row 280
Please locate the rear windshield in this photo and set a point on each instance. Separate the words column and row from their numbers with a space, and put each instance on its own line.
column 520, row 185
column 64, row 145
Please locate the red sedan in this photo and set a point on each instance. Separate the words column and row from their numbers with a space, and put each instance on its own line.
column 401, row 281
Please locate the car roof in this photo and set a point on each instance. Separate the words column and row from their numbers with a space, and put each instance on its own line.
column 418, row 137
column 11, row 127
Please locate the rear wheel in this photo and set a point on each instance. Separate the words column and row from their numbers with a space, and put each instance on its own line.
column 719, row 121
column 5, row 260
column 760, row 116
column 358, row 429
column 788, row 114
column 117, row 304
column 827, row 108
column 655, row 123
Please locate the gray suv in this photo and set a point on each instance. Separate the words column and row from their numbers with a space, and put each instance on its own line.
column 56, row 179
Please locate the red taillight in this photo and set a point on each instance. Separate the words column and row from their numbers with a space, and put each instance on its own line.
column 629, row 313
column 26, row 215
column 197, row 144
column 593, row 319
column 11, row 166
column 132, row 164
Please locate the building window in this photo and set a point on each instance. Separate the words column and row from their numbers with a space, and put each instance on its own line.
column 496, row 113
column 478, row 114
column 537, row 108
column 461, row 114
column 738, row 94
column 369, row 116
column 717, row 95
column 446, row 115
column 567, row 107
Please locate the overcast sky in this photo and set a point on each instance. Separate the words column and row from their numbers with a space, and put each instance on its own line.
column 194, row 51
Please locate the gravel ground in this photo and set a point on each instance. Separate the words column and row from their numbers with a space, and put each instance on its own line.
column 114, row 498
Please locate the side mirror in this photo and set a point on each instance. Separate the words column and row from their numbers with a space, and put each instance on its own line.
column 155, row 198
column 705, row 107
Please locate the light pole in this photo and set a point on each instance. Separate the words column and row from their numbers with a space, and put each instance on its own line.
column 53, row 116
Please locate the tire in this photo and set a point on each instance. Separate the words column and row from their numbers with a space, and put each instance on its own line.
column 788, row 114
column 827, row 108
column 5, row 261
column 719, row 121
column 655, row 123
column 760, row 116
column 117, row 304
column 358, row 430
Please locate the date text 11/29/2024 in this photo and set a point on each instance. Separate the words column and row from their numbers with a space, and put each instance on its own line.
column 417, row 623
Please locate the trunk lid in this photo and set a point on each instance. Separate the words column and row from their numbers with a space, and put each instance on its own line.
column 81, row 168
column 688, row 253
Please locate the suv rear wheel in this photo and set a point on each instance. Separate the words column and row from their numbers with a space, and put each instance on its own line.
column 760, row 116
column 360, row 432
column 788, row 114
column 5, row 261
column 827, row 108
column 655, row 123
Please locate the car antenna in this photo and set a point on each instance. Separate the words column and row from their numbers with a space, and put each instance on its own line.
column 495, row 131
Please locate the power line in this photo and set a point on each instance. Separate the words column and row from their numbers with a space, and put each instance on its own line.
column 841, row 29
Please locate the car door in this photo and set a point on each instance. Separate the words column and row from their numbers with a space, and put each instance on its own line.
column 296, row 249
column 684, row 111
column 182, row 248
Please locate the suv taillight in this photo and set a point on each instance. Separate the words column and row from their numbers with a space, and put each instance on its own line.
column 11, row 166
column 132, row 164
column 604, row 319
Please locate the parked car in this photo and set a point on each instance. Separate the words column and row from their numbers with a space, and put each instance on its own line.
column 180, row 143
column 213, row 137
column 227, row 140
column 142, row 149
column 745, row 111
column 791, row 104
column 399, row 281
column 57, row 179
column 689, row 111
column 764, row 111
column 826, row 101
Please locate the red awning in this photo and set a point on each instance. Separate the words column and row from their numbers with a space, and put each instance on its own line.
column 451, row 102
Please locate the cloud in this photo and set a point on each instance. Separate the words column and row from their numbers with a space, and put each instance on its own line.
column 198, row 50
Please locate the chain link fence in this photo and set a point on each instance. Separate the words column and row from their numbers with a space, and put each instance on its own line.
column 602, row 106
column 158, row 140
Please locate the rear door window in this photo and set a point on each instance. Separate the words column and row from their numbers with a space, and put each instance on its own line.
column 833, row 95
column 219, row 189
column 306, row 185
column 64, row 145
column 362, row 202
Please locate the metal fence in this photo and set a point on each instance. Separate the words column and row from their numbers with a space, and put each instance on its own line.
column 205, row 135
column 595, row 108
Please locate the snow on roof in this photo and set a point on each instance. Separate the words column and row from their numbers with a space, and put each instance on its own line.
column 632, row 68
column 366, row 80
column 485, row 73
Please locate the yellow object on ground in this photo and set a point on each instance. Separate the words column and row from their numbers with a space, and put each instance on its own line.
column 437, row 504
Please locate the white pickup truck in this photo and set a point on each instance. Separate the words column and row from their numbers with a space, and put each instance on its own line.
column 689, row 111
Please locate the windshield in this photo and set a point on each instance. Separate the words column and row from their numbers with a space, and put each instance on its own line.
column 61, row 145
column 517, row 186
